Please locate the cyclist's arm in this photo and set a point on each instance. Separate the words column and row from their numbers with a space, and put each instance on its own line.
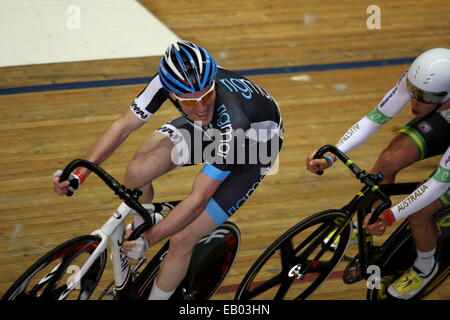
column 141, row 110
column 187, row 210
column 102, row 148
column 392, row 103
column 112, row 138
column 431, row 190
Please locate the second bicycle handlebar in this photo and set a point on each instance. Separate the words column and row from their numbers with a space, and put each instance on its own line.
column 367, row 179
column 130, row 197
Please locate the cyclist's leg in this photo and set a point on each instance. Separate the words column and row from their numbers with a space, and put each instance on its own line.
column 228, row 198
column 176, row 263
column 425, row 236
column 149, row 162
column 156, row 156
column 421, row 138
column 399, row 154
column 423, row 228
column 230, row 195
column 428, row 134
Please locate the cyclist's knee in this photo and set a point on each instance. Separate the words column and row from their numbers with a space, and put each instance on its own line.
column 134, row 175
column 147, row 166
column 400, row 154
column 183, row 242
column 420, row 219
column 387, row 164
column 424, row 216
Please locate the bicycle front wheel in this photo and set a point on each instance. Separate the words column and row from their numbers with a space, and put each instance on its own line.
column 48, row 278
column 273, row 275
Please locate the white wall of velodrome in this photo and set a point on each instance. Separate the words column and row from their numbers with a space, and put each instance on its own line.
column 51, row 31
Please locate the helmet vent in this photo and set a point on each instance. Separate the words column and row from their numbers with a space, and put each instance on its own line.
column 429, row 78
column 186, row 68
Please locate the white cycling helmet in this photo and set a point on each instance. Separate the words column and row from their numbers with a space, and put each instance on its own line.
column 429, row 76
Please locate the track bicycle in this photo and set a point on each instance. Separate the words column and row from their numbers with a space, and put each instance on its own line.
column 73, row 269
column 301, row 259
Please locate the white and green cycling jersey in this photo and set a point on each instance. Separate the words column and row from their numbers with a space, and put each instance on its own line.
column 437, row 187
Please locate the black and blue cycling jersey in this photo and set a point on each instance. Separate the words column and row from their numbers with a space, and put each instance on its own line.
column 238, row 147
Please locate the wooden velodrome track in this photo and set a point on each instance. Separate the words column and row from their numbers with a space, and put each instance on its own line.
column 41, row 132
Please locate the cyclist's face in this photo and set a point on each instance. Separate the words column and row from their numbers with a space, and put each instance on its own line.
column 201, row 110
column 420, row 109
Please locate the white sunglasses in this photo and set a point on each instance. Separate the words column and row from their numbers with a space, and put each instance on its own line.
column 193, row 101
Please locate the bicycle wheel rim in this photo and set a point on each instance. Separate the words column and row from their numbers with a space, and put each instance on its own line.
column 47, row 279
column 269, row 279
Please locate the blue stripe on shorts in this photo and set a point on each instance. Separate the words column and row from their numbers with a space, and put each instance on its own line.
column 216, row 212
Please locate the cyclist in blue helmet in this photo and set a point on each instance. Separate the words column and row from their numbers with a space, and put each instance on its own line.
column 226, row 119
column 186, row 68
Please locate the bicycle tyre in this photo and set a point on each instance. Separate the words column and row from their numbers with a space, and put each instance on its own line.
column 212, row 259
column 279, row 284
column 400, row 257
column 60, row 261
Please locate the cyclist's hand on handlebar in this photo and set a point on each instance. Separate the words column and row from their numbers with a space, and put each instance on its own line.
column 316, row 165
column 62, row 187
column 135, row 249
column 378, row 228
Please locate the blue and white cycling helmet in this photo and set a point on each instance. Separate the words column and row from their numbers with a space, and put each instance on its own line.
column 429, row 76
column 186, row 68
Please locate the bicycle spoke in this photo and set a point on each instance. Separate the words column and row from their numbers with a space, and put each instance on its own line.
column 263, row 287
column 285, row 286
column 305, row 294
column 54, row 279
column 44, row 281
column 312, row 242
column 287, row 253
column 321, row 230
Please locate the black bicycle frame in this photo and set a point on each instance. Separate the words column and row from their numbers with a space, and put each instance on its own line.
column 362, row 204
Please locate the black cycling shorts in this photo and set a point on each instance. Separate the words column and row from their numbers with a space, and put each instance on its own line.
column 430, row 134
